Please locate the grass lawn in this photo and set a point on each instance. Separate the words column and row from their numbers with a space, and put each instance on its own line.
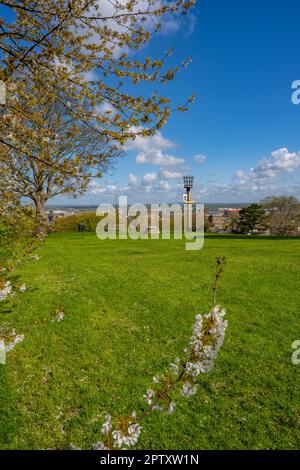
column 130, row 306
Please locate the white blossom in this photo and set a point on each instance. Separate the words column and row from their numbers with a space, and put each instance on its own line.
column 171, row 407
column 149, row 396
column 175, row 368
column 157, row 407
column 134, row 431
column 107, row 426
column 23, row 288
column 5, row 290
column 13, row 340
column 118, row 438
column 201, row 350
column 207, row 337
column 189, row 389
column 59, row 316
column 73, row 447
column 129, row 439
column 99, row 446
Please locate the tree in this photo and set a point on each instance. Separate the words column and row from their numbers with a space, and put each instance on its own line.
column 250, row 219
column 283, row 214
column 87, row 47
column 59, row 153
column 90, row 44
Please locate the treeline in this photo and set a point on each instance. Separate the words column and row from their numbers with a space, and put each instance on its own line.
column 277, row 215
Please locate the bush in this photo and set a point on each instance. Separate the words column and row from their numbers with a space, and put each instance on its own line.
column 70, row 223
column 16, row 225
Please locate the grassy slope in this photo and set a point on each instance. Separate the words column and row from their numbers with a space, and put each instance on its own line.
column 129, row 310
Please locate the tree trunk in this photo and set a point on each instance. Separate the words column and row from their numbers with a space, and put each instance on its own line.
column 40, row 214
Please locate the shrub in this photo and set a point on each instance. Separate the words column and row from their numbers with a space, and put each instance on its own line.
column 16, row 225
column 70, row 223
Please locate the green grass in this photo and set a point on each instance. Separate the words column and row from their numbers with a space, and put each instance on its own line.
column 129, row 309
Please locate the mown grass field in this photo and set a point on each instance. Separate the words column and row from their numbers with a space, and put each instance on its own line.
column 129, row 309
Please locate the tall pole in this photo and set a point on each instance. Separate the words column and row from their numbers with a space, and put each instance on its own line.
column 188, row 184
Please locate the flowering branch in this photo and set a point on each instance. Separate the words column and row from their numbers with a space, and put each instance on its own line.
column 8, row 339
column 20, row 252
column 207, row 338
column 219, row 272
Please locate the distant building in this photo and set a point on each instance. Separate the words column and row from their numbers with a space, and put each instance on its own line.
column 220, row 220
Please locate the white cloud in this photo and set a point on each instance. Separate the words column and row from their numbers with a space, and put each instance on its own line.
column 281, row 161
column 170, row 23
column 165, row 185
column 173, row 23
column 170, row 26
column 90, row 76
column 133, row 179
column 95, row 188
column 264, row 179
column 105, row 108
column 149, row 178
column 110, row 188
column 240, row 174
column 270, row 176
column 171, row 175
column 156, row 157
column 152, row 150
column 200, row 159
column 152, row 142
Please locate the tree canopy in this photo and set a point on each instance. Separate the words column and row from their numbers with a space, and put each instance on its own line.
column 91, row 45
column 84, row 60
column 250, row 219
column 59, row 153
column 282, row 214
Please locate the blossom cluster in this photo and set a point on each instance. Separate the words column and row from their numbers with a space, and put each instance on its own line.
column 207, row 338
column 206, row 341
column 10, row 339
column 20, row 251
column 59, row 315
column 127, row 435
column 5, row 290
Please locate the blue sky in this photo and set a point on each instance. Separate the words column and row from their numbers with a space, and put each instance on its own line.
column 243, row 128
